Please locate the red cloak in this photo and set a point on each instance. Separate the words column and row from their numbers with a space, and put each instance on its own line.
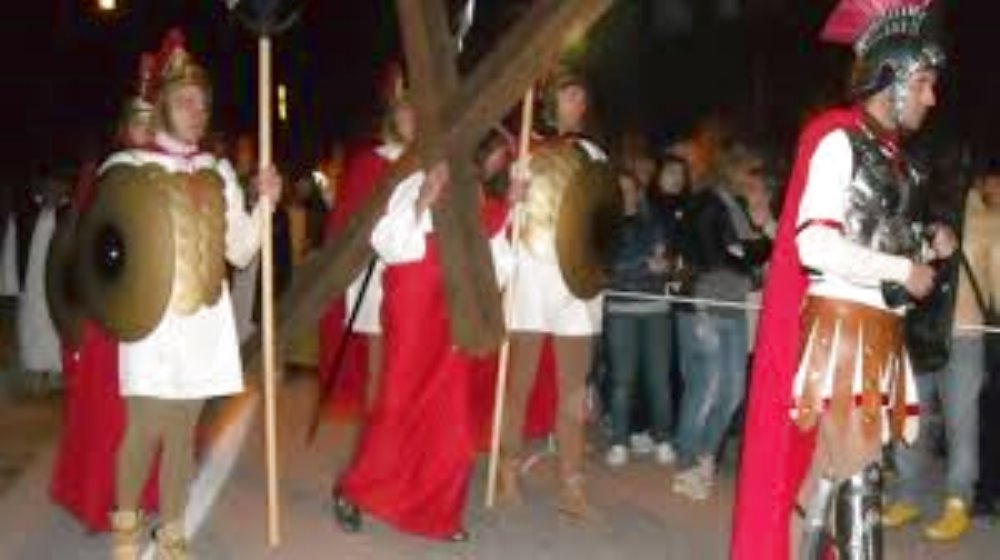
column 83, row 475
column 415, row 456
column 363, row 168
column 776, row 454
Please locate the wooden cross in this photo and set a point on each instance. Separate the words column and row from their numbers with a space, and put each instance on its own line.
column 453, row 113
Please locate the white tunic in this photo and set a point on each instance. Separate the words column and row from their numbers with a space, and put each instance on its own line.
column 193, row 356
column 540, row 300
column 244, row 295
column 369, row 320
column 9, row 283
column 850, row 272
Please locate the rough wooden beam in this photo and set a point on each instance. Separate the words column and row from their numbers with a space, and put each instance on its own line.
column 331, row 269
column 432, row 73
column 467, row 113
column 496, row 84
column 525, row 53
column 475, row 314
column 433, row 82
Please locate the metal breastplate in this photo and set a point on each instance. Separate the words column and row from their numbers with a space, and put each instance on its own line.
column 880, row 199
column 198, row 208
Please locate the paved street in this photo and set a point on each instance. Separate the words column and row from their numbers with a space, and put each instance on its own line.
column 643, row 520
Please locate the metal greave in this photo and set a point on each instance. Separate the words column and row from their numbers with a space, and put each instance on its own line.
column 815, row 536
column 856, row 508
column 858, row 516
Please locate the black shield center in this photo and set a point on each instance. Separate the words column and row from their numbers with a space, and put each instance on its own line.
column 111, row 255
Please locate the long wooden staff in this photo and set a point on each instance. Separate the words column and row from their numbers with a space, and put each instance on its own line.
column 523, row 153
column 267, row 295
column 267, row 18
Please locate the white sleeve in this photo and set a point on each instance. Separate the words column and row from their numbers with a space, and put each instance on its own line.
column 243, row 229
column 827, row 181
column 827, row 250
column 398, row 236
column 821, row 243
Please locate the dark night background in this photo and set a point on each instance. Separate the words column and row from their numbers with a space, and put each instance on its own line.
column 658, row 65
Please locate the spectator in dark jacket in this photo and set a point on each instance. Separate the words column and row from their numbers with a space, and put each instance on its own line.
column 637, row 329
column 721, row 249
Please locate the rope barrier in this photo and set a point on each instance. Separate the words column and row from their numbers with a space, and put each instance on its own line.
column 746, row 306
column 706, row 302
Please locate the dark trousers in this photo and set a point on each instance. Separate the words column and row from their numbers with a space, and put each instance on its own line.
column 639, row 347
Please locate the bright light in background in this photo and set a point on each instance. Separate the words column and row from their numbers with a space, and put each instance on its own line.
column 282, row 103
column 107, row 5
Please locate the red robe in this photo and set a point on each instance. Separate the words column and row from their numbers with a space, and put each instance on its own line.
column 363, row 168
column 776, row 454
column 415, row 456
column 83, row 475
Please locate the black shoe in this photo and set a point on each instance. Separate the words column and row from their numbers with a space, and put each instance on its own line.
column 347, row 514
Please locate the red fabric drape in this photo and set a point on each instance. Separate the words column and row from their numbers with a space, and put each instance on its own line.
column 83, row 477
column 415, row 456
column 363, row 168
column 540, row 418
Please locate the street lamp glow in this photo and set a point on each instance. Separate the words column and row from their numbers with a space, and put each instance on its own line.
column 107, row 5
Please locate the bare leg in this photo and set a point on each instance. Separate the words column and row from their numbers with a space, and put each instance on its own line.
column 573, row 359
column 525, row 349
column 135, row 453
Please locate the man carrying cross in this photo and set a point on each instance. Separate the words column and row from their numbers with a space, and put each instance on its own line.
column 414, row 460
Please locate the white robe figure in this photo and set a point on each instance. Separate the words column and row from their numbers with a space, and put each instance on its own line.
column 9, row 284
column 38, row 340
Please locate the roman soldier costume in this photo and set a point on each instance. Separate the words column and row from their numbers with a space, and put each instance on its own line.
column 83, row 477
column 560, row 262
column 152, row 263
column 831, row 381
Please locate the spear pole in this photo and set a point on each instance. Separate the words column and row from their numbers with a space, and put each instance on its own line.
column 267, row 18
column 267, row 278
column 523, row 154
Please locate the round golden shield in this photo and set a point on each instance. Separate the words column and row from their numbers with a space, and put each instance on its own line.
column 126, row 251
column 61, row 291
column 587, row 228
column 578, row 198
